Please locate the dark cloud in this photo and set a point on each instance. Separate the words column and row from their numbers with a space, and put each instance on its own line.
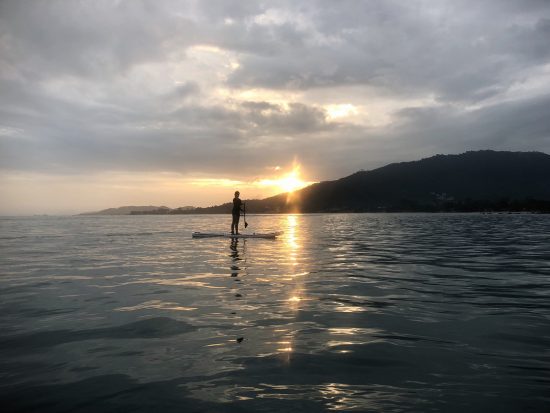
column 457, row 51
column 189, row 138
column 515, row 125
column 183, row 91
column 97, row 38
column 265, row 119
column 71, row 99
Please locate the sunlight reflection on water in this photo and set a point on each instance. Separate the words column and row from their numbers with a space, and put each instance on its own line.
column 342, row 312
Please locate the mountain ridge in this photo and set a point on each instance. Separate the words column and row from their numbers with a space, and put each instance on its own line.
column 471, row 181
column 484, row 180
column 128, row 210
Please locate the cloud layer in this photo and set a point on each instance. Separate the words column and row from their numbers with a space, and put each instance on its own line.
column 226, row 88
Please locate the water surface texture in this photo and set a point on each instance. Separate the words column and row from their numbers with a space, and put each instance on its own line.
column 366, row 312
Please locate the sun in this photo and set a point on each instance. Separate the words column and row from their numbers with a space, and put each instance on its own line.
column 288, row 182
column 291, row 181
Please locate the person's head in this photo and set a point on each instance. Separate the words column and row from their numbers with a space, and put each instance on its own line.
column 237, row 193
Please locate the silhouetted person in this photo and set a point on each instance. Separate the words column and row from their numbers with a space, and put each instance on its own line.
column 236, row 213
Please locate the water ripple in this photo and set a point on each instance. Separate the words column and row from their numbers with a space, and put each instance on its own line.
column 351, row 312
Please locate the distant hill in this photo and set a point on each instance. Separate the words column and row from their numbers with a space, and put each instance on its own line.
column 472, row 181
column 482, row 178
column 163, row 211
column 128, row 210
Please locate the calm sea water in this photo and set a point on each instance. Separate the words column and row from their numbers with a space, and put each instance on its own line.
column 366, row 312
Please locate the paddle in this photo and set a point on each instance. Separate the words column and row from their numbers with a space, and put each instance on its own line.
column 244, row 215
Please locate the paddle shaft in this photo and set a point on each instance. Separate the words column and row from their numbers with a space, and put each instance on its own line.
column 244, row 215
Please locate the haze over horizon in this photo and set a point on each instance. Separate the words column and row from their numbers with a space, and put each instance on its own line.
column 111, row 103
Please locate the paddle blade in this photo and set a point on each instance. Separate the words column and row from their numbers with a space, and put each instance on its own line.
column 245, row 224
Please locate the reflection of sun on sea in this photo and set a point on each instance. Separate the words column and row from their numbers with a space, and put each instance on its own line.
column 291, row 243
column 296, row 295
column 292, row 247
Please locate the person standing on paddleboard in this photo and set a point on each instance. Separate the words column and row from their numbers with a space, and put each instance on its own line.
column 236, row 213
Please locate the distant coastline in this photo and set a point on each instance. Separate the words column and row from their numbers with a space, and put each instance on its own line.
column 475, row 181
column 132, row 210
column 532, row 206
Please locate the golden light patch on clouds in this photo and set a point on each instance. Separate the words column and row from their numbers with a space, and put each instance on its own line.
column 207, row 65
column 275, row 97
column 367, row 105
column 205, row 48
column 341, row 111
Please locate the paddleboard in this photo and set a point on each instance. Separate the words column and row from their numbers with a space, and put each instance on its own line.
column 271, row 235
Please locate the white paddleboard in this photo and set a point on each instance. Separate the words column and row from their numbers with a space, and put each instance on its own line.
column 271, row 235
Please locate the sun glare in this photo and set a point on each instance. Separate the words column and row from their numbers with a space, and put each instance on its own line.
column 280, row 180
column 289, row 182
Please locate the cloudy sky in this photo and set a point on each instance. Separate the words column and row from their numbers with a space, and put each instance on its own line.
column 106, row 103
